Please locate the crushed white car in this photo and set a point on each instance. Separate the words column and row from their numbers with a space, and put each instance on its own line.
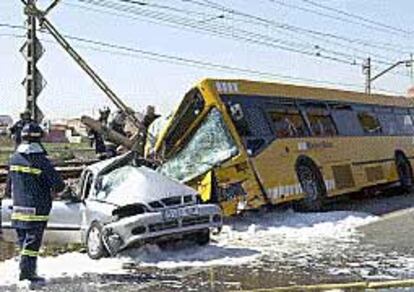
column 122, row 203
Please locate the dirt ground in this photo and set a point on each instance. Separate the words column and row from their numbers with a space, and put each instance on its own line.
column 362, row 239
column 57, row 151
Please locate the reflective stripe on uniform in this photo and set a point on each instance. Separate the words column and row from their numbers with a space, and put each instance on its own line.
column 29, row 253
column 29, row 217
column 34, row 134
column 25, row 169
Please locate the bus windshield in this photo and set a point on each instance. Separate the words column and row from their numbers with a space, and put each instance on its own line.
column 210, row 145
column 190, row 109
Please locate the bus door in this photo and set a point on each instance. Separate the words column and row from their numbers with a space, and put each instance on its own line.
column 256, row 137
column 259, row 121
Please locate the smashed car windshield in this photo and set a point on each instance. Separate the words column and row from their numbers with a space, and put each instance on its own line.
column 130, row 184
column 211, row 144
column 114, row 180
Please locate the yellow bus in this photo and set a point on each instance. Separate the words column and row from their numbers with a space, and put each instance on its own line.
column 244, row 144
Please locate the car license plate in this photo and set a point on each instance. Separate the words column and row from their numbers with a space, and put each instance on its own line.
column 170, row 214
column 190, row 211
column 173, row 214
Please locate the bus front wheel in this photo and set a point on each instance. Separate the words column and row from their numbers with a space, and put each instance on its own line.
column 312, row 185
column 404, row 170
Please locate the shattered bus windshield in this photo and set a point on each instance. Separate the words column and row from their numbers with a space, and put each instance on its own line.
column 210, row 145
column 186, row 114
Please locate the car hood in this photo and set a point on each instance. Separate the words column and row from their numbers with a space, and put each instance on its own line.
column 130, row 185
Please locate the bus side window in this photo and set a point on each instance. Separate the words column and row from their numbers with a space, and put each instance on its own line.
column 369, row 122
column 387, row 120
column 346, row 120
column 404, row 124
column 403, row 121
column 320, row 121
column 287, row 122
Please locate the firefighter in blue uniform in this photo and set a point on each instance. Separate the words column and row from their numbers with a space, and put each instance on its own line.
column 32, row 180
column 16, row 129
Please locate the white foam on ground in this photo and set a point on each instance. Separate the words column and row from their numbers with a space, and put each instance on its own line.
column 297, row 236
column 66, row 265
column 286, row 235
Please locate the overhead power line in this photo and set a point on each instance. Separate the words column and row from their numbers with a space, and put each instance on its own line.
column 115, row 49
column 359, row 17
column 246, row 36
column 12, row 26
column 243, row 35
column 161, row 57
column 311, row 49
column 285, row 26
column 374, row 44
column 204, row 64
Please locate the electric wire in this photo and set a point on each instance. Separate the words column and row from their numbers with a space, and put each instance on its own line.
column 257, row 39
column 121, row 50
column 169, row 58
column 317, row 49
column 298, row 29
column 390, row 28
column 374, row 44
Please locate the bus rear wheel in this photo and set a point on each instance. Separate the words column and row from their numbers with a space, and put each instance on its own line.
column 405, row 172
column 312, row 185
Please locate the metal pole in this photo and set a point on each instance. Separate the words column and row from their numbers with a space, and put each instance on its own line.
column 367, row 71
column 412, row 69
column 32, row 51
column 95, row 77
column 31, row 63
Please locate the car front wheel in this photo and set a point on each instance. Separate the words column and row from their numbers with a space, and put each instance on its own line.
column 94, row 245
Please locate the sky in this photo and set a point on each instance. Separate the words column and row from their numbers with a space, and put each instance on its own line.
column 270, row 40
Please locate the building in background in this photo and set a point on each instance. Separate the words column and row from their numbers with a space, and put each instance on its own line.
column 410, row 92
column 77, row 127
column 65, row 131
column 5, row 123
column 56, row 133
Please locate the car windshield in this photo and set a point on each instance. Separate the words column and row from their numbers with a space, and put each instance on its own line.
column 131, row 184
column 115, row 180
column 209, row 145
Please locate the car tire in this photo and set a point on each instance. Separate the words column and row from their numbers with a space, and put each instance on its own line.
column 311, row 181
column 94, row 245
column 202, row 237
column 404, row 170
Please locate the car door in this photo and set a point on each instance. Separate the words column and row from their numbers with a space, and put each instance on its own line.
column 65, row 222
column 96, row 208
column 64, row 225
column 6, row 210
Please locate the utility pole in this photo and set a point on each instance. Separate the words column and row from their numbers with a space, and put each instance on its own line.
column 32, row 51
column 412, row 69
column 369, row 79
column 366, row 68
column 31, row 10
